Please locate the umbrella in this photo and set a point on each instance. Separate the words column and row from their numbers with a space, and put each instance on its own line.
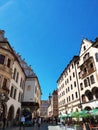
column 94, row 112
column 75, row 114
column 84, row 113
column 63, row 116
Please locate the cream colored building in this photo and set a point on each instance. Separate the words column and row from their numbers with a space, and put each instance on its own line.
column 78, row 83
column 32, row 90
column 53, row 105
column 68, row 96
column 11, row 87
column 44, row 108
column 88, row 75
column 19, row 85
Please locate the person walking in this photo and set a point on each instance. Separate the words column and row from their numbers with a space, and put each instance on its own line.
column 4, row 122
column 39, row 122
column 22, row 122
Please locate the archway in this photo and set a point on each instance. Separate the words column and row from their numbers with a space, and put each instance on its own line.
column 88, row 108
column 89, row 95
column 11, row 115
column 95, row 92
column 83, row 98
column 17, row 118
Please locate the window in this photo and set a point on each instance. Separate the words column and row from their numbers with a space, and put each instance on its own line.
column 73, row 74
column 71, row 87
column 74, row 83
column 67, row 81
column 72, row 66
column 81, row 86
column 79, row 74
column 85, row 83
column 91, row 65
column 88, row 80
column 14, row 94
column 14, row 75
column 84, row 48
column 21, row 83
column 68, row 89
column 96, row 56
column 85, row 70
column 2, row 58
column 72, row 97
column 76, row 94
column 69, row 69
column 17, row 77
column 92, row 79
column 8, row 63
column 70, row 78
column 19, row 97
column 4, row 83
column 69, row 98
column 11, row 92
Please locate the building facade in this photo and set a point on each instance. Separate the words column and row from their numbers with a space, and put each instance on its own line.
column 53, row 104
column 44, row 109
column 18, row 84
column 78, row 83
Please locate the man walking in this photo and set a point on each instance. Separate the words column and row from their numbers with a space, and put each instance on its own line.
column 22, row 122
column 39, row 122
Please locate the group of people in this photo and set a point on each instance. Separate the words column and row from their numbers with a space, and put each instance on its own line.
column 35, row 121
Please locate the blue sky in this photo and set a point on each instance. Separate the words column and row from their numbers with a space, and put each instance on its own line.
column 48, row 33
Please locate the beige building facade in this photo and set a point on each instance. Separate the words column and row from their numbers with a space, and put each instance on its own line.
column 44, row 109
column 78, row 83
column 53, row 104
column 19, row 85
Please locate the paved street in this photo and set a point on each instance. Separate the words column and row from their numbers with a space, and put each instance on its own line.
column 44, row 126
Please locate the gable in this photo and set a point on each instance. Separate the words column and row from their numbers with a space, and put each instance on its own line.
column 4, row 42
column 85, row 46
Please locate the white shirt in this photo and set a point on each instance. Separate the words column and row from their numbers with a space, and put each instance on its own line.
column 22, row 119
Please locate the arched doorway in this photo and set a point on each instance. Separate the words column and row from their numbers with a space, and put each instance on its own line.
column 95, row 92
column 89, row 95
column 88, row 108
column 10, row 115
column 18, row 114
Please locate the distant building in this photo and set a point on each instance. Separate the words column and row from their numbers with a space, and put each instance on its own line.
column 44, row 108
column 53, row 106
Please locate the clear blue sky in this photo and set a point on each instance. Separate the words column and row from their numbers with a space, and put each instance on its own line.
column 48, row 33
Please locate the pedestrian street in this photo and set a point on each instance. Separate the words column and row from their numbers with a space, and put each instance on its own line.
column 44, row 126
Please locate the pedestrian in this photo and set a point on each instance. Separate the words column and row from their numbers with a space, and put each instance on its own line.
column 39, row 122
column 22, row 122
column 4, row 122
